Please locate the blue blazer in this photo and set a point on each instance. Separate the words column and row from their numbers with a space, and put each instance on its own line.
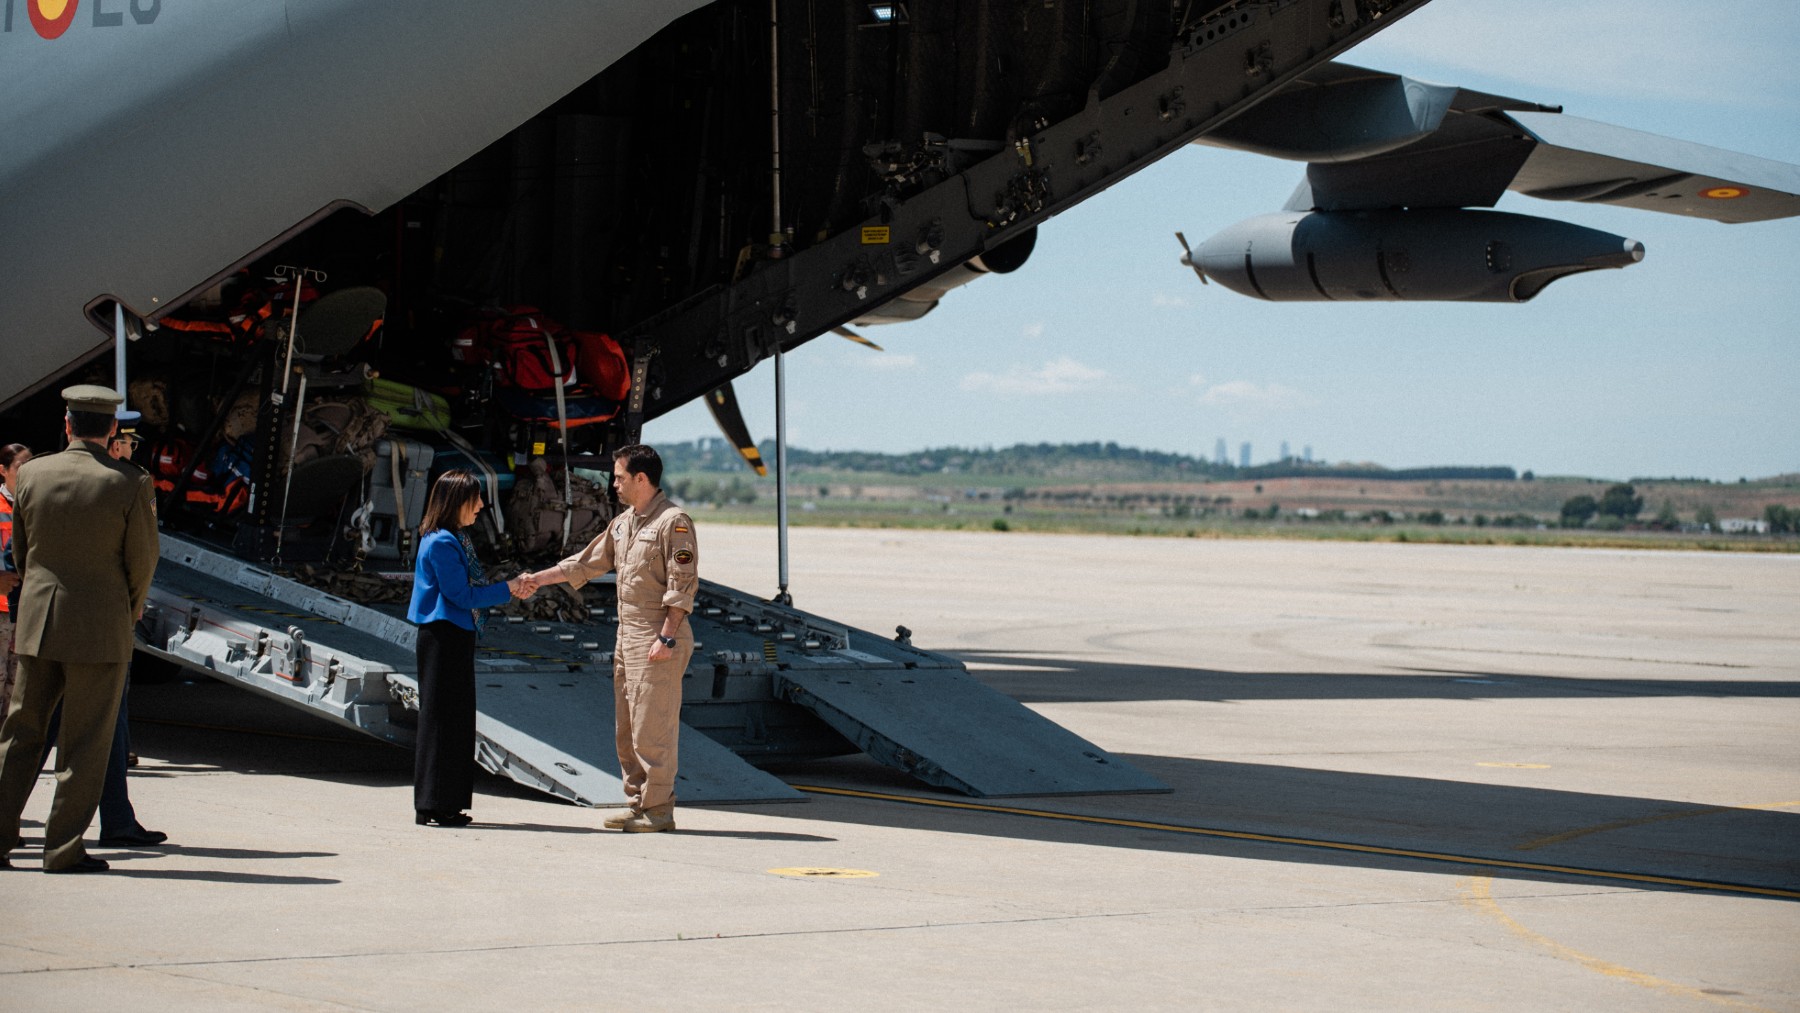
column 443, row 587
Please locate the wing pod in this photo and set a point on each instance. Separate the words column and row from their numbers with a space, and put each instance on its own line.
column 916, row 302
column 1418, row 255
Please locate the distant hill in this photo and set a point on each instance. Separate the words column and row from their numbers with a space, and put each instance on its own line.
column 1075, row 462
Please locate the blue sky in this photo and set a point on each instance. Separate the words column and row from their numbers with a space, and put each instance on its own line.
column 1683, row 365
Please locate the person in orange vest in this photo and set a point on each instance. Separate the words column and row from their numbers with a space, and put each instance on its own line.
column 11, row 457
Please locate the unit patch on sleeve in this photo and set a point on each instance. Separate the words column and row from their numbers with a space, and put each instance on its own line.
column 684, row 556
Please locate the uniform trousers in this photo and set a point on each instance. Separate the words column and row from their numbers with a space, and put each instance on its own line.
column 117, row 814
column 444, row 756
column 90, row 704
column 647, row 705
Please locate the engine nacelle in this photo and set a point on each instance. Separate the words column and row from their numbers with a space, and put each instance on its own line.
column 1454, row 255
column 916, row 302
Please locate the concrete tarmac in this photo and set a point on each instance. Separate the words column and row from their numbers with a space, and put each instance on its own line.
column 1405, row 777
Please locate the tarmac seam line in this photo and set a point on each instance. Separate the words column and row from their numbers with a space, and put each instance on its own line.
column 677, row 938
column 263, row 989
column 1569, row 835
column 1307, row 842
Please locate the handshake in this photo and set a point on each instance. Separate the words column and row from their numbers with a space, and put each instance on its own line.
column 523, row 586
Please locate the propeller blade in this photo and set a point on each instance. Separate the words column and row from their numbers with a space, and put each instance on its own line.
column 724, row 407
column 845, row 332
column 1187, row 257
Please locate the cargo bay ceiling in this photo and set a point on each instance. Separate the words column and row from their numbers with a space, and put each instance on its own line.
column 706, row 182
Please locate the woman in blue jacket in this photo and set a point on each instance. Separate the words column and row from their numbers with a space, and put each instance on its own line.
column 449, row 601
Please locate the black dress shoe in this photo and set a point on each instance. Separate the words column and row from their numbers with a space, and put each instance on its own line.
column 5, row 862
column 442, row 818
column 88, row 864
column 137, row 837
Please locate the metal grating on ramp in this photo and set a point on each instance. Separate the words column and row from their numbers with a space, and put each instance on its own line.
column 945, row 728
column 555, row 733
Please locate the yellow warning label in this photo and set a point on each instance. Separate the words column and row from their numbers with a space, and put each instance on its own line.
column 876, row 235
column 537, row 449
column 826, row 873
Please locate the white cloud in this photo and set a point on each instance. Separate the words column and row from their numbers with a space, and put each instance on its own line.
column 1058, row 376
column 1197, row 380
column 1161, row 300
column 1244, row 394
column 890, row 361
column 1033, row 331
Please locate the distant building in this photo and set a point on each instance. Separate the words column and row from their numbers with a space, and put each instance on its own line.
column 1219, row 455
column 1743, row 525
column 1307, row 453
column 1244, row 455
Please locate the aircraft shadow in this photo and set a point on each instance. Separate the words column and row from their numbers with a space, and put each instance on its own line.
column 1564, row 829
column 1620, row 834
column 1061, row 680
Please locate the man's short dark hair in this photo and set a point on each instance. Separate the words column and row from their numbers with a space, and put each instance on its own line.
column 90, row 425
column 641, row 460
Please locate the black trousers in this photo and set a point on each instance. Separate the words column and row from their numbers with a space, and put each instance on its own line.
column 444, row 756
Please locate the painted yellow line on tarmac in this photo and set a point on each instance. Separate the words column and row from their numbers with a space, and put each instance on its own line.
column 1478, row 894
column 822, row 873
column 1569, row 835
column 1307, row 842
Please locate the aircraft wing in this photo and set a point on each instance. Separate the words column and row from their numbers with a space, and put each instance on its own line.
column 1378, row 140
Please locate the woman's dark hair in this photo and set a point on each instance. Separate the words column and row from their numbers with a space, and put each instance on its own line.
column 453, row 491
column 11, row 452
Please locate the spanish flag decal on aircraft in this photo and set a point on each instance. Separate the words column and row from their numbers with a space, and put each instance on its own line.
column 51, row 17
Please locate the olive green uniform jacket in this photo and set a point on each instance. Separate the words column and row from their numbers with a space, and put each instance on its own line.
column 85, row 542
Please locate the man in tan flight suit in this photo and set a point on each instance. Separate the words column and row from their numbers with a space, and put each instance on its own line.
column 653, row 548
column 85, row 542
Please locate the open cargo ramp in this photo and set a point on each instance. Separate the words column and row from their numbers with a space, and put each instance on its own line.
column 945, row 728
column 544, row 713
column 767, row 684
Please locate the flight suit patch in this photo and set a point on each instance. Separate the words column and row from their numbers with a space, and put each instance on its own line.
column 683, row 556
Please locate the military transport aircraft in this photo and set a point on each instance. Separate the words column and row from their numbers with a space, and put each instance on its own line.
column 523, row 230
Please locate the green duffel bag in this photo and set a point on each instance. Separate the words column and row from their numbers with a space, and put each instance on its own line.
column 408, row 407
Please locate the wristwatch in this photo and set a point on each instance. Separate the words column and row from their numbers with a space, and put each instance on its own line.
column 668, row 642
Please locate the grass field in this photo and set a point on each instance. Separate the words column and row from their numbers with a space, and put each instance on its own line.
column 1456, row 512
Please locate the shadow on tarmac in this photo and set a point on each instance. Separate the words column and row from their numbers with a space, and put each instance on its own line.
column 1622, row 834
column 1060, row 680
column 247, row 878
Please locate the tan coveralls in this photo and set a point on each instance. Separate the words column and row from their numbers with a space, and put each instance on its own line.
column 659, row 569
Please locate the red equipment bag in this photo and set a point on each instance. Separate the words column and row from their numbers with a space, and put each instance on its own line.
column 518, row 344
column 601, row 365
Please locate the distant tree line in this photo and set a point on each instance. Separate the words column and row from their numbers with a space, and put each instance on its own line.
column 1095, row 459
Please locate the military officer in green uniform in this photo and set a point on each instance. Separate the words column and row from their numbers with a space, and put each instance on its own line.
column 85, row 544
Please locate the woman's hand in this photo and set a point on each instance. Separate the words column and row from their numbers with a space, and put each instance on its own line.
column 521, row 587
